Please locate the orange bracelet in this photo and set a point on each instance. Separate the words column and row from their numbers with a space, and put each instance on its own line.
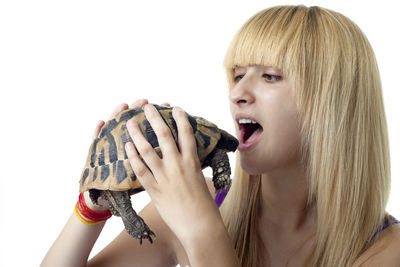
column 89, row 216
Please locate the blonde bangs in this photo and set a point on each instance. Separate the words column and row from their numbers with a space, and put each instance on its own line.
column 271, row 37
column 344, row 146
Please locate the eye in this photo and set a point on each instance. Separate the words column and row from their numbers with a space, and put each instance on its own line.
column 237, row 78
column 271, row 77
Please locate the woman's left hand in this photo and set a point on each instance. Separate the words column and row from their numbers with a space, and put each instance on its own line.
column 175, row 183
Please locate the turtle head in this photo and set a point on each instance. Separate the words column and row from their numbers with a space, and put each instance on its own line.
column 227, row 141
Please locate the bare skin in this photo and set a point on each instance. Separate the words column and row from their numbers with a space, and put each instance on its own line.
column 286, row 230
column 73, row 245
column 176, row 186
column 265, row 94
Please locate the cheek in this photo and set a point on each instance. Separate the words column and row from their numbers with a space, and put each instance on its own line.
column 278, row 148
column 283, row 135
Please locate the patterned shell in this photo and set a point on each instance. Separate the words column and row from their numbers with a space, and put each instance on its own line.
column 107, row 165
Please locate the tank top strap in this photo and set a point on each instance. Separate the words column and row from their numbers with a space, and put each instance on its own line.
column 389, row 220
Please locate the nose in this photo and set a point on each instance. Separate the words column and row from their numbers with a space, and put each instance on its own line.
column 243, row 92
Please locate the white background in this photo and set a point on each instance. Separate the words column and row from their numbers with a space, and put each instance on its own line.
column 64, row 65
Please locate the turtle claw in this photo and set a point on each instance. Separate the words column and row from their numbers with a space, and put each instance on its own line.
column 151, row 234
column 146, row 235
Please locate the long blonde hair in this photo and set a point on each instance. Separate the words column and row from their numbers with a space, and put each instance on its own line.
column 344, row 139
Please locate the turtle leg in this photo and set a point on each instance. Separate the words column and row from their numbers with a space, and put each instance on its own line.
column 94, row 195
column 121, row 205
column 219, row 162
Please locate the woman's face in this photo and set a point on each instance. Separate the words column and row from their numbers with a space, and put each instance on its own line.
column 262, row 94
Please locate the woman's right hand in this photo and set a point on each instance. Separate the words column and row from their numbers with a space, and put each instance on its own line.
column 103, row 204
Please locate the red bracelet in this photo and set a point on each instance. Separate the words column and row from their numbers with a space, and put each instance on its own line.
column 87, row 215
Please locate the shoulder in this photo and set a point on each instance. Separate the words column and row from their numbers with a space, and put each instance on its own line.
column 166, row 249
column 127, row 251
column 384, row 252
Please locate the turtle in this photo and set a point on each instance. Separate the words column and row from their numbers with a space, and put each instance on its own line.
column 108, row 173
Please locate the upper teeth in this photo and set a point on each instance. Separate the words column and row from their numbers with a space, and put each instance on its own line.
column 246, row 121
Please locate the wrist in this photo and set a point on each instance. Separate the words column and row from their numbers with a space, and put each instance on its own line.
column 203, row 234
column 211, row 247
column 96, row 207
column 88, row 215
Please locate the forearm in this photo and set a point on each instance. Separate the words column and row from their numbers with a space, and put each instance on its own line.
column 211, row 247
column 72, row 247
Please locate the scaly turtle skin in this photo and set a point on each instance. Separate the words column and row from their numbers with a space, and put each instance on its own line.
column 108, row 173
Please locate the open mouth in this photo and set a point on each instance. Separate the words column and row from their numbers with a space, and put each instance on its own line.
column 249, row 132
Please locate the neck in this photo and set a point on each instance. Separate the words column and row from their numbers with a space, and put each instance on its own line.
column 287, row 223
column 284, row 195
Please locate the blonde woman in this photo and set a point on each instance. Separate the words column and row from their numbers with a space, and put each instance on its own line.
column 312, row 176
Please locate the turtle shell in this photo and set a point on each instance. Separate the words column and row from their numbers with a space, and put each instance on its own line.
column 107, row 166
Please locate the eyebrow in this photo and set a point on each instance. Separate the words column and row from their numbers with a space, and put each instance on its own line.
column 238, row 67
column 275, row 69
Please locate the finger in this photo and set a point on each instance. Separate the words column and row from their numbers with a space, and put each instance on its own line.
column 143, row 147
column 163, row 132
column 186, row 139
column 117, row 110
column 141, row 171
column 139, row 103
column 97, row 129
column 166, row 104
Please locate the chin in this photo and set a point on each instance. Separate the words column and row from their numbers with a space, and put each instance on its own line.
column 252, row 168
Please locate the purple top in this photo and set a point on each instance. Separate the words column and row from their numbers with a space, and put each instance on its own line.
column 391, row 220
column 221, row 194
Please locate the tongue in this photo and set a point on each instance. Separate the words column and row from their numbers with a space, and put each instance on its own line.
column 250, row 132
column 254, row 135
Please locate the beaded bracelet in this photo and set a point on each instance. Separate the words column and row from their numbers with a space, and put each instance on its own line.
column 89, row 216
